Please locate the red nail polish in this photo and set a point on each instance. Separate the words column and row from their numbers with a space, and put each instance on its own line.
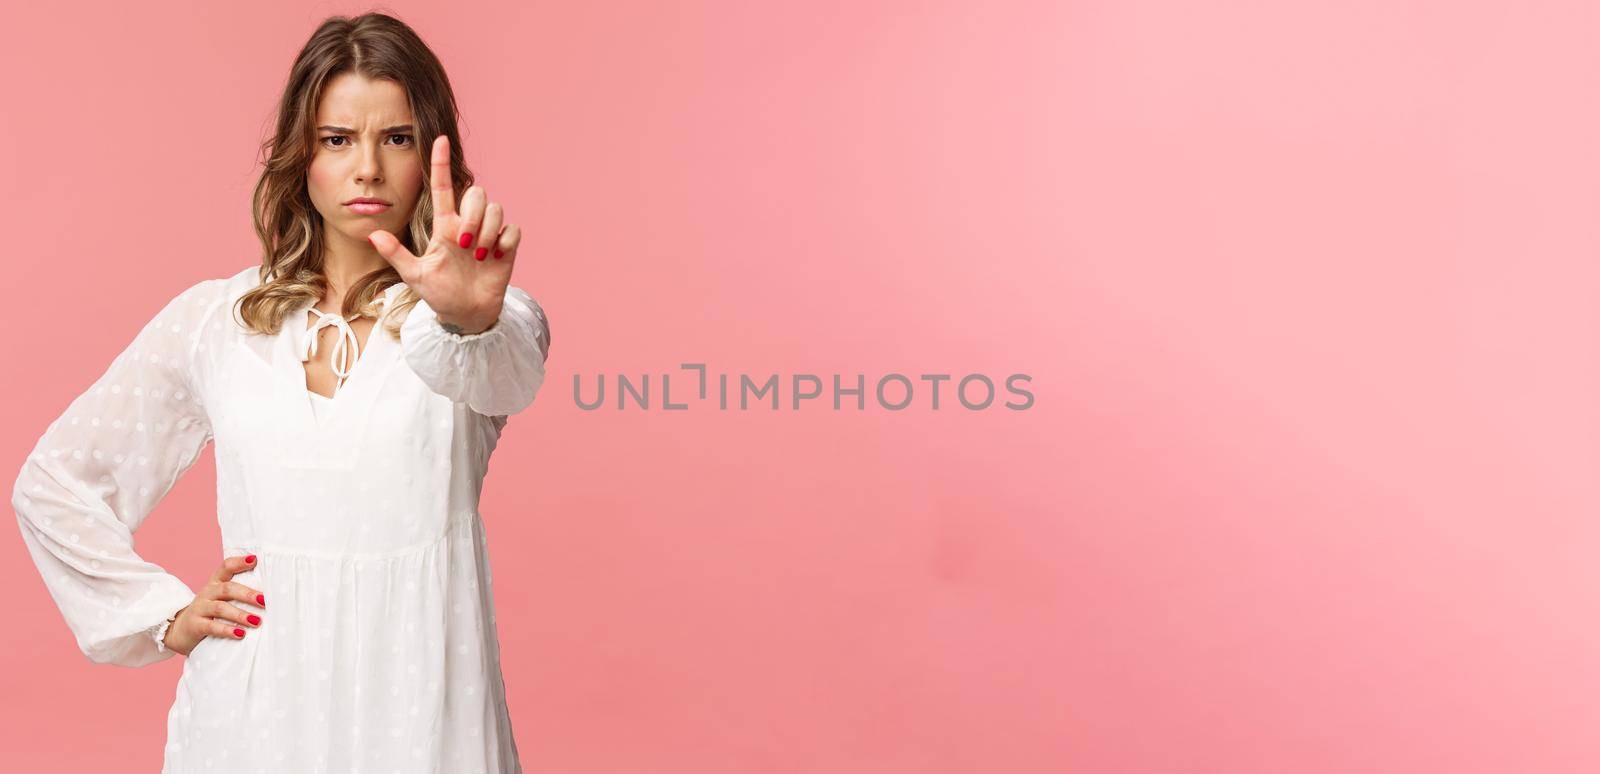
column 261, row 599
column 466, row 239
column 253, row 619
column 497, row 252
column 480, row 253
column 238, row 632
column 251, row 559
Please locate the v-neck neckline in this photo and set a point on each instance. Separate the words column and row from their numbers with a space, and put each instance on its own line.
column 358, row 386
column 364, row 348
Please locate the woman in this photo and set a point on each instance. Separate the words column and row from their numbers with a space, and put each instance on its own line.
column 355, row 384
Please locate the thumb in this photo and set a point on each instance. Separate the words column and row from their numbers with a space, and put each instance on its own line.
column 392, row 250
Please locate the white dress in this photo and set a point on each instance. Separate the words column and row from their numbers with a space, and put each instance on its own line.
column 377, row 650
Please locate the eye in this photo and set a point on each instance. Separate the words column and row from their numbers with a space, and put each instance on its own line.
column 408, row 139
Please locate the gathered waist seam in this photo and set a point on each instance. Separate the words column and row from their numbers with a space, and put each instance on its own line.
column 456, row 523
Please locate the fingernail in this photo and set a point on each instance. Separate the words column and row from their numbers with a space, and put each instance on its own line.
column 251, row 559
column 253, row 619
column 466, row 239
column 261, row 599
column 497, row 252
column 238, row 632
column 480, row 253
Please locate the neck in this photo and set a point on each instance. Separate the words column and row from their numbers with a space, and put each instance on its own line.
column 345, row 261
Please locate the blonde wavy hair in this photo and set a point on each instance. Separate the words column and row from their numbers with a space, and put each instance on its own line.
column 377, row 46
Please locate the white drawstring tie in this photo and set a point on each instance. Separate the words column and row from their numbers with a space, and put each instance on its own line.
column 344, row 348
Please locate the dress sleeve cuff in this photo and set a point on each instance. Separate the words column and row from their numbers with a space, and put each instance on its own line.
column 497, row 371
column 159, row 633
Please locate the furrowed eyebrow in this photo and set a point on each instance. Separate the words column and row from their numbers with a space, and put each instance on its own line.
column 348, row 130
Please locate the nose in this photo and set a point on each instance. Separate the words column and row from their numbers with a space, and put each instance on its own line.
column 368, row 170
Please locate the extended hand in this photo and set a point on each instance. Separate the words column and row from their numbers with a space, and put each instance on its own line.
column 456, row 274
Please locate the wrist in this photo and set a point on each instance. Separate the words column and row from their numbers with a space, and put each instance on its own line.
column 159, row 632
column 464, row 325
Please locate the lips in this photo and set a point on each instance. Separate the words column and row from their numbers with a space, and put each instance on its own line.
column 367, row 206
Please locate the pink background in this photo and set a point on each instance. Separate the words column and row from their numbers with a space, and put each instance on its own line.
column 1306, row 291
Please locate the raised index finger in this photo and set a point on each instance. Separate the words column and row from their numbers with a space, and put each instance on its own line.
column 444, row 192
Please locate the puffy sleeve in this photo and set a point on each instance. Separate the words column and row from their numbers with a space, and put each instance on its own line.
column 99, row 470
column 496, row 372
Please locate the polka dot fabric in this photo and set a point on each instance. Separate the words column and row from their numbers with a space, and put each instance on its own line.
column 377, row 651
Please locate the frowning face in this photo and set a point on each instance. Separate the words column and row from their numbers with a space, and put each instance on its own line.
column 366, row 149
